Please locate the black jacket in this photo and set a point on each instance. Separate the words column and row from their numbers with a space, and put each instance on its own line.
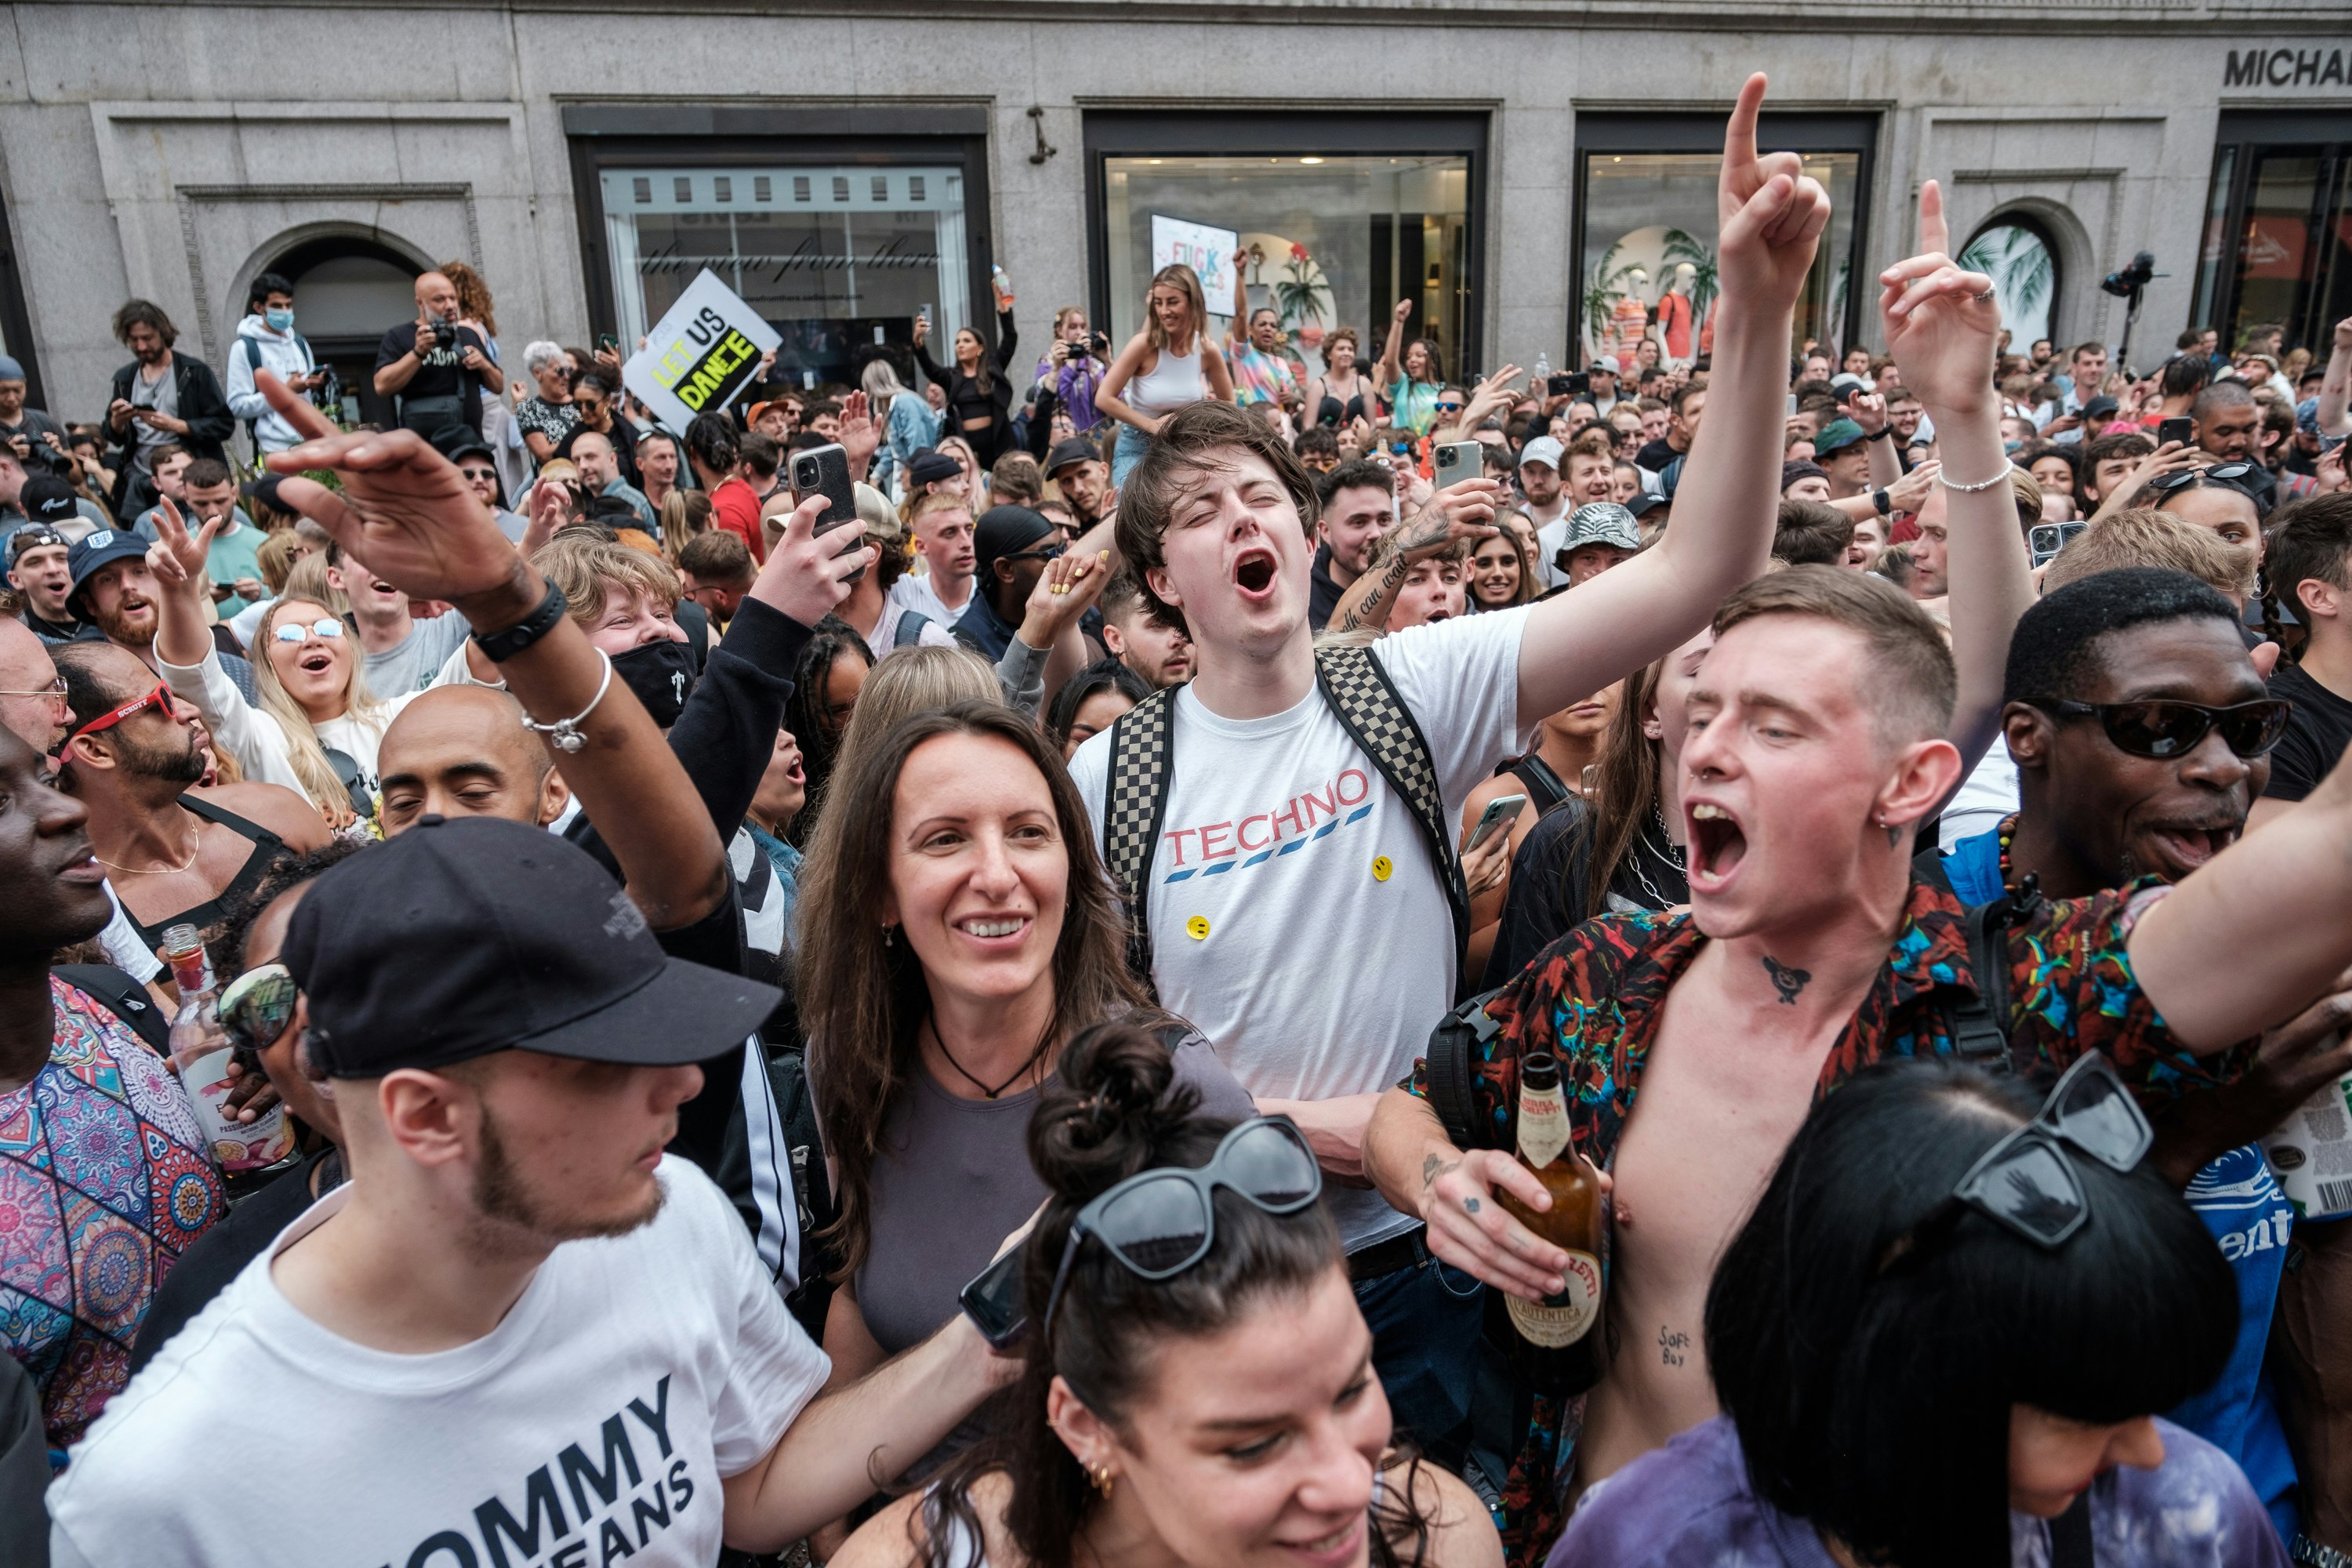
column 202, row 405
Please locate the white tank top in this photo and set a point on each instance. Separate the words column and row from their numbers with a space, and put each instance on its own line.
column 1170, row 384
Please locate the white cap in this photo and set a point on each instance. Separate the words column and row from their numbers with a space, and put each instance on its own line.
column 1544, row 449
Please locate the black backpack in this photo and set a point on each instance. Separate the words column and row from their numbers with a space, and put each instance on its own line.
column 251, row 350
column 1978, row 1020
column 122, row 996
column 1358, row 693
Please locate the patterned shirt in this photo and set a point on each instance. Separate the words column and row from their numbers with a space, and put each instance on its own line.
column 1595, row 999
column 1258, row 377
column 104, row 1182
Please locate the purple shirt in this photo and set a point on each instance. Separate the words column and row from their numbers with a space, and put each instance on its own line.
column 1689, row 1504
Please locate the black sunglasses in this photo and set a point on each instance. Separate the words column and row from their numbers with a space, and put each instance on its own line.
column 2026, row 1183
column 2229, row 473
column 1044, row 552
column 2163, row 729
column 1161, row 1222
column 257, row 1005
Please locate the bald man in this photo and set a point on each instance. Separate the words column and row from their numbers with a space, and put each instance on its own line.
column 461, row 751
column 437, row 368
column 600, row 475
column 32, row 704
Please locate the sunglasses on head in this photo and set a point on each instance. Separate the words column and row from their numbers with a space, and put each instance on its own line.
column 160, row 699
column 257, row 1005
column 2234, row 474
column 297, row 631
column 2162, row 729
column 1158, row 1223
column 2027, row 1182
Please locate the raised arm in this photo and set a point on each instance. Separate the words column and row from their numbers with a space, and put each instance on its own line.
column 1465, row 510
column 2335, row 412
column 1237, row 325
column 2254, row 938
column 406, row 515
column 1384, row 375
column 1577, row 643
column 1941, row 325
column 923, row 355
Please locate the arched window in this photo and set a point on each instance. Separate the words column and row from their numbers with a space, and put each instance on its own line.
column 348, row 292
column 2016, row 253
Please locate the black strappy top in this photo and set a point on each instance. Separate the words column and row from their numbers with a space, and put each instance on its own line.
column 266, row 846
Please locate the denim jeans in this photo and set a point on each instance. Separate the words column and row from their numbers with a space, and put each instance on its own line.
column 1425, row 1323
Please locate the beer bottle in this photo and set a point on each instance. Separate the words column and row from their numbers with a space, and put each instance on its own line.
column 201, row 1053
column 1558, row 1347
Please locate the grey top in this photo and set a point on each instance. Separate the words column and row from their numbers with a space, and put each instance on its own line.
column 954, row 1180
column 163, row 396
column 411, row 664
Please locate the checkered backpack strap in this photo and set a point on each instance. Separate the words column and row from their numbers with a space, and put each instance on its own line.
column 1142, row 747
column 1359, row 692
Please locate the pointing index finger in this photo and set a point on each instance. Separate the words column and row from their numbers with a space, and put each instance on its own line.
column 1934, row 233
column 1739, row 134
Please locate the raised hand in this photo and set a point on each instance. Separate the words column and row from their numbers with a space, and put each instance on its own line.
column 1772, row 215
column 1465, row 510
column 808, row 572
column 1869, row 411
column 859, row 434
column 177, row 557
column 403, row 510
column 1941, row 323
column 1066, row 590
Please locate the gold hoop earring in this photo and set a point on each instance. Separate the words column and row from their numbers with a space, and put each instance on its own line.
column 1102, row 1478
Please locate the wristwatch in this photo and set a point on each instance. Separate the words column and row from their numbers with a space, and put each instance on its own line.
column 2307, row 1550
column 1880, row 500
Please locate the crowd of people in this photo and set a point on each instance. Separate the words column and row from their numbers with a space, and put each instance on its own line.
column 997, row 1035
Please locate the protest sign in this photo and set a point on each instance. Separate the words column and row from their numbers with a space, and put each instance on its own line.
column 704, row 351
column 1207, row 251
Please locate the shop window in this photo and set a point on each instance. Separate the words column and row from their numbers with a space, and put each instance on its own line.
column 833, row 275
column 2017, row 254
column 1323, row 241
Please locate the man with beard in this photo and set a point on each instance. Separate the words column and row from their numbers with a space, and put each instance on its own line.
column 161, row 398
column 114, row 591
column 131, row 757
column 1359, row 505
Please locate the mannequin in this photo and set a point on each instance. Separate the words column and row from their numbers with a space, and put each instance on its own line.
column 1675, row 317
column 1629, row 322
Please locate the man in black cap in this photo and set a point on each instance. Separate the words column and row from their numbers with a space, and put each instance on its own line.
column 38, row 572
column 578, row 1322
column 1011, row 546
column 929, row 470
column 477, row 465
column 1083, row 479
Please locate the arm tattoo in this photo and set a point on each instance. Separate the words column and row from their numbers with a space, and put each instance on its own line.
column 1785, row 979
column 1373, row 608
column 1434, row 1167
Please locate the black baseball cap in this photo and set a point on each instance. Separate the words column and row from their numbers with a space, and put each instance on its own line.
column 33, row 536
column 1077, row 449
column 461, row 938
column 928, row 467
column 1004, row 531
column 46, row 498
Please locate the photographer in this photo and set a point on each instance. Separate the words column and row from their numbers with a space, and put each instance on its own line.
column 1074, row 366
column 437, row 368
column 37, row 440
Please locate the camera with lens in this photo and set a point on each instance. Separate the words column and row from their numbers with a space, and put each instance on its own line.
column 2128, row 280
column 444, row 331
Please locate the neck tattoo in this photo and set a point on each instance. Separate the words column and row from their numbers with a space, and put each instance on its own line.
column 1788, row 982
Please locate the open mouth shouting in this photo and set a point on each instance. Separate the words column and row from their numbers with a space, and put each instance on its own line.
column 2185, row 847
column 1254, row 574
column 316, row 662
column 1718, row 843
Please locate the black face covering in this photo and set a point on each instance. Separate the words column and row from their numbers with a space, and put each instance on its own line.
column 661, row 674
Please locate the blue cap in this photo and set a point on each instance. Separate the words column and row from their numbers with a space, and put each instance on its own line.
column 11, row 369
column 101, row 549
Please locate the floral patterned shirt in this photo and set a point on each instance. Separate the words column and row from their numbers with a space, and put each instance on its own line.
column 104, row 1182
column 1596, row 997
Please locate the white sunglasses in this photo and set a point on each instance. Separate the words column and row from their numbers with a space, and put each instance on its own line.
column 295, row 631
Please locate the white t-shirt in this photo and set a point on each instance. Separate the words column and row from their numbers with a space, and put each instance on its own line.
column 1327, row 954
column 914, row 592
column 593, row 1425
column 882, row 637
column 1984, row 797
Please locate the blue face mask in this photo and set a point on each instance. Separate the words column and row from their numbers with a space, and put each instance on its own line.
column 280, row 320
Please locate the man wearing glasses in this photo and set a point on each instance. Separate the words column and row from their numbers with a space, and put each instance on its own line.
column 478, row 467
column 1011, row 547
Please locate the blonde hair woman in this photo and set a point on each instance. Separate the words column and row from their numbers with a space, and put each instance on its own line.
column 910, row 681
column 1167, row 364
column 684, row 514
column 308, row 677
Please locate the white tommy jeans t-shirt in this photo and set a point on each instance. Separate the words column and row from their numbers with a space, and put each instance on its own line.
column 1296, row 919
column 590, row 1428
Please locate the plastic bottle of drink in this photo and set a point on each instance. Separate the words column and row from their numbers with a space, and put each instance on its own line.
column 2310, row 1153
column 201, row 1052
column 1558, row 1338
column 1542, row 371
column 1004, row 288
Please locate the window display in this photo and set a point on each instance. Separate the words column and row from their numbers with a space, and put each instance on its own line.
column 1322, row 241
column 2023, row 267
column 832, row 256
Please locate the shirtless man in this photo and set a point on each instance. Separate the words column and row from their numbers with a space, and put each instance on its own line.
column 1816, row 745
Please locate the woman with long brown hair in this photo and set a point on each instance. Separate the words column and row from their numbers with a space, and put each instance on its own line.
column 956, row 929
column 979, row 391
column 1167, row 364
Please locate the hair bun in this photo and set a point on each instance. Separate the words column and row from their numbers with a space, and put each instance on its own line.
column 1112, row 1107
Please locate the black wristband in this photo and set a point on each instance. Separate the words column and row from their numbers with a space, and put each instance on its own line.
column 1885, row 504
column 1883, row 432
column 500, row 646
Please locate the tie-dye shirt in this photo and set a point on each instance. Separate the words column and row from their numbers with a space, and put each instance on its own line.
column 1596, row 998
column 104, row 1181
column 1690, row 1505
column 1259, row 377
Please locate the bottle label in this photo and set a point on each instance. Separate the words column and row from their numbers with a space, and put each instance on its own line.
column 1563, row 1319
column 1543, row 1125
column 2310, row 1153
column 235, row 1145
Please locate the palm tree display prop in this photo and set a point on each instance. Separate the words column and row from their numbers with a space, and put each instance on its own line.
column 1303, row 293
column 1601, row 295
column 2018, row 263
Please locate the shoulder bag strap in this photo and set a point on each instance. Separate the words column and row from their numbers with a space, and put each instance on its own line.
column 1359, row 692
column 122, row 996
column 1450, row 1069
column 909, row 629
column 1135, row 802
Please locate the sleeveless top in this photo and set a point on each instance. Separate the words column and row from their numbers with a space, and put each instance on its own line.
column 266, row 846
column 1334, row 411
column 1175, row 381
column 964, row 1550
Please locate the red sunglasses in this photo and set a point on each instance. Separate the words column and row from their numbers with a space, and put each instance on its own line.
column 159, row 699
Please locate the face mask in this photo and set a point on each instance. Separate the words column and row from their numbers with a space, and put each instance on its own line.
column 280, row 320
column 661, row 674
